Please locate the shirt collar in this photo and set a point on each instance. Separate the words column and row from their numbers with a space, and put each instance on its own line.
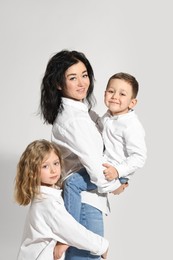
column 116, row 117
column 74, row 103
column 53, row 192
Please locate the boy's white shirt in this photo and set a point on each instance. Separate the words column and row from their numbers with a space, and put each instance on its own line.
column 82, row 146
column 48, row 222
column 124, row 140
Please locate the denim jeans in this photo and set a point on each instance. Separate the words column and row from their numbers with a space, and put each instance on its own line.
column 73, row 186
column 87, row 215
column 123, row 180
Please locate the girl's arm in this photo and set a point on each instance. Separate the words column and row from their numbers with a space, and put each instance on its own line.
column 68, row 231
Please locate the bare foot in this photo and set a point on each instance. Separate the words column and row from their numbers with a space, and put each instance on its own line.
column 59, row 250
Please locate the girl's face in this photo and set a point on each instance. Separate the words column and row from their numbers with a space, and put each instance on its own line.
column 76, row 82
column 50, row 169
column 118, row 97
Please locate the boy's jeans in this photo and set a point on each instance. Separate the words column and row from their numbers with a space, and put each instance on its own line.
column 87, row 215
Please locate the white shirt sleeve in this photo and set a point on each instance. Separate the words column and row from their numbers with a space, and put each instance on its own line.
column 136, row 150
column 67, row 230
column 81, row 136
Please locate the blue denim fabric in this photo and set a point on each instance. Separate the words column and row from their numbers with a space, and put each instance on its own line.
column 73, row 186
column 92, row 219
column 87, row 215
column 123, row 180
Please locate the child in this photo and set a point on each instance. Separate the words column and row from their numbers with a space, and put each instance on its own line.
column 38, row 182
column 123, row 136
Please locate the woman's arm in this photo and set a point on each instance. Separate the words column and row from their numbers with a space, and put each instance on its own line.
column 83, row 139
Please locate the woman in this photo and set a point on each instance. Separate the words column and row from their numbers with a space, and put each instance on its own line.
column 66, row 99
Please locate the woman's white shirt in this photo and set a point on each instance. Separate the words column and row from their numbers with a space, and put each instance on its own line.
column 82, row 146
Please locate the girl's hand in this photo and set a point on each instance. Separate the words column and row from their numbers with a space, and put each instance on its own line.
column 59, row 250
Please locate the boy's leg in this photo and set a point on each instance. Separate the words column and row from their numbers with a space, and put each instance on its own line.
column 73, row 186
column 123, row 180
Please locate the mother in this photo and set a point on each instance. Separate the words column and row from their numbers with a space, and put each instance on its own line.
column 66, row 99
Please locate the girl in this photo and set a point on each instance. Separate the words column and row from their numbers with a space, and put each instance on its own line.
column 37, row 183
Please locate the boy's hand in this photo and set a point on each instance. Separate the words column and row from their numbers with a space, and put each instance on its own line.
column 110, row 172
column 120, row 189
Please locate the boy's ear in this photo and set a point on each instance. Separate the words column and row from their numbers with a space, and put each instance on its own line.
column 133, row 103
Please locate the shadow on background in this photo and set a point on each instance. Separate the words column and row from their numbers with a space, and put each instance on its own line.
column 12, row 215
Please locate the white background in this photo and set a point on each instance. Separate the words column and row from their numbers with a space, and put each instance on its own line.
column 131, row 36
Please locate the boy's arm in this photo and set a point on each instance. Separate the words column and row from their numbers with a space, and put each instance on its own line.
column 136, row 150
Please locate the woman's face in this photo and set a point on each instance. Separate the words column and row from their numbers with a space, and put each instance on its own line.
column 76, row 82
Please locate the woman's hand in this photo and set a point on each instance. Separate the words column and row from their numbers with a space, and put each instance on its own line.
column 120, row 189
column 104, row 256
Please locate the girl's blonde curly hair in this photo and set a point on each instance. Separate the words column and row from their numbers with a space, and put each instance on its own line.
column 27, row 181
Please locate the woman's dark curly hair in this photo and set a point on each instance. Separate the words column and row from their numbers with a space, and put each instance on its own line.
column 54, row 77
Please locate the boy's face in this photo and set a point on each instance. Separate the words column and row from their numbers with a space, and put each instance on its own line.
column 50, row 170
column 118, row 97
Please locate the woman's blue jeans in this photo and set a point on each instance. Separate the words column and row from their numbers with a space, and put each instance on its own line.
column 87, row 215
